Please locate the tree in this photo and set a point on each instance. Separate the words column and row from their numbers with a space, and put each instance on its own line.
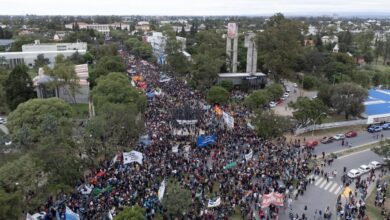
column 139, row 48
column 116, row 88
column 383, row 150
column 217, row 95
column 227, row 84
column 176, row 60
column 309, row 111
column 177, row 199
column 348, row 98
column 274, row 91
column 39, row 118
column 104, row 66
column 133, row 213
column 41, row 61
column 269, row 125
column 279, row 45
column 257, row 99
column 18, row 87
column 76, row 58
column 64, row 76
column 10, row 205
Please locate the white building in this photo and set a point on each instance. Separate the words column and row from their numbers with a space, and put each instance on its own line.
column 49, row 50
column 101, row 28
column 329, row 39
column 158, row 42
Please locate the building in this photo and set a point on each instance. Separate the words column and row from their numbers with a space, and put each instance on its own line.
column 59, row 35
column 82, row 96
column 101, row 28
column 329, row 39
column 158, row 42
column 377, row 106
column 143, row 26
column 256, row 80
column 6, row 43
column 336, row 48
column 49, row 50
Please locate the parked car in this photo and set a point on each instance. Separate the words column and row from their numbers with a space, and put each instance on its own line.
column 354, row 173
column 272, row 104
column 375, row 128
column 374, row 164
column 338, row 137
column 286, row 95
column 295, row 85
column 3, row 120
column 327, row 140
column 364, row 168
column 386, row 126
column 311, row 144
column 351, row 134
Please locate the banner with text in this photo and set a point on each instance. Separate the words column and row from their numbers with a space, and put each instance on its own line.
column 205, row 141
column 132, row 156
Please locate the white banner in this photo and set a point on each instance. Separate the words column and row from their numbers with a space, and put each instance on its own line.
column 214, row 202
column 161, row 190
column 229, row 120
column 175, row 149
column 132, row 156
column 249, row 155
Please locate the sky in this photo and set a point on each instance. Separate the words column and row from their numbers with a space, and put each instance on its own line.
column 192, row 7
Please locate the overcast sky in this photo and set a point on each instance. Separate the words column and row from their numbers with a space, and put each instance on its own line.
column 191, row 7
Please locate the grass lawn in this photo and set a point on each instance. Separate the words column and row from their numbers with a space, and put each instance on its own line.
column 81, row 110
column 333, row 118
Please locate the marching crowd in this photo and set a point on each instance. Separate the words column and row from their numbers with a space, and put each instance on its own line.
column 279, row 166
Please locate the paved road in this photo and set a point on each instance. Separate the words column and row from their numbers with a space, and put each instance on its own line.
column 362, row 139
column 321, row 193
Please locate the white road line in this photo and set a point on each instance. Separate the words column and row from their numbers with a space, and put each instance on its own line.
column 323, row 184
column 337, row 190
column 319, row 181
column 333, row 187
column 328, row 185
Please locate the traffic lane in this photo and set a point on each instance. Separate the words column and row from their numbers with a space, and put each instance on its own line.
column 352, row 161
column 319, row 194
column 361, row 139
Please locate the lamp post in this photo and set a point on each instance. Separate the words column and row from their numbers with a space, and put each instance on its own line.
column 314, row 125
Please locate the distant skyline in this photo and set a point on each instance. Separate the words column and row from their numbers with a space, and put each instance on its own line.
column 195, row 7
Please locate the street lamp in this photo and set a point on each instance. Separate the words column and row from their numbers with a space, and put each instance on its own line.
column 314, row 125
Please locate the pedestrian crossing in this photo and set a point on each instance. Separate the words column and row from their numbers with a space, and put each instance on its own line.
column 330, row 186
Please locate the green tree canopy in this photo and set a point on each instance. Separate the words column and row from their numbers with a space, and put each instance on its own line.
column 217, row 95
column 38, row 118
column 177, row 199
column 257, row 99
column 41, row 61
column 269, row 125
column 131, row 213
column 106, row 65
column 18, row 87
column 309, row 111
column 274, row 91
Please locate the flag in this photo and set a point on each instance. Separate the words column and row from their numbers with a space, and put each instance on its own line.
column 109, row 215
column 97, row 191
column 249, row 155
column 205, row 141
column 132, row 156
column 214, row 202
column 161, row 190
column 29, row 217
column 175, row 149
column 229, row 120
column 70, row 215
column 230, row 166
column 114, row 160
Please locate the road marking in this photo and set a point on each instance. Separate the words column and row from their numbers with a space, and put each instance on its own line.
column 323, row 184
column 333, row 187
column 328, row 185
column 319, row 181
column 353, row 153
column 338, row 190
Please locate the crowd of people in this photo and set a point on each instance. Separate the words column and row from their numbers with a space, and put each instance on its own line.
column 276, row 166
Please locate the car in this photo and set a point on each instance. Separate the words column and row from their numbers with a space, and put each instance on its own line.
column 350, row 134
column 374, row 128
column 286, row 95
column 385, row 126
column 295, row 85
column 374, row 164
column 3, row 120
column 339, row 137
column 314, row 97
column 327, row 140
column 272, row 104
column 364, row 168
column 8, row 143
column 311, row 144
column 354, row 173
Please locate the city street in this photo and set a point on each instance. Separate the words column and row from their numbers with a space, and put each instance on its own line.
column 321, row 193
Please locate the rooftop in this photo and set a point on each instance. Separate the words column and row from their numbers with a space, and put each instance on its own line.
column 240, row 74
column 378, row 102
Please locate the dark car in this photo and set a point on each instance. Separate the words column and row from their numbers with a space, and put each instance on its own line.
column 327, row 140
column 281, row 186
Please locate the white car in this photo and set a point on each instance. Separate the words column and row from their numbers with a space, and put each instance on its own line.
column 272, row 104
column 364, row 168
column 354, row 173
column 374, row 164
column 286, row 95
column 7, row 143
column 339, row 137
column 295, row 85
column 3, row 120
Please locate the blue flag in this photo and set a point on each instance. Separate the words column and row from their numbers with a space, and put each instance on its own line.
column 205, row 141
column 70, row 215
